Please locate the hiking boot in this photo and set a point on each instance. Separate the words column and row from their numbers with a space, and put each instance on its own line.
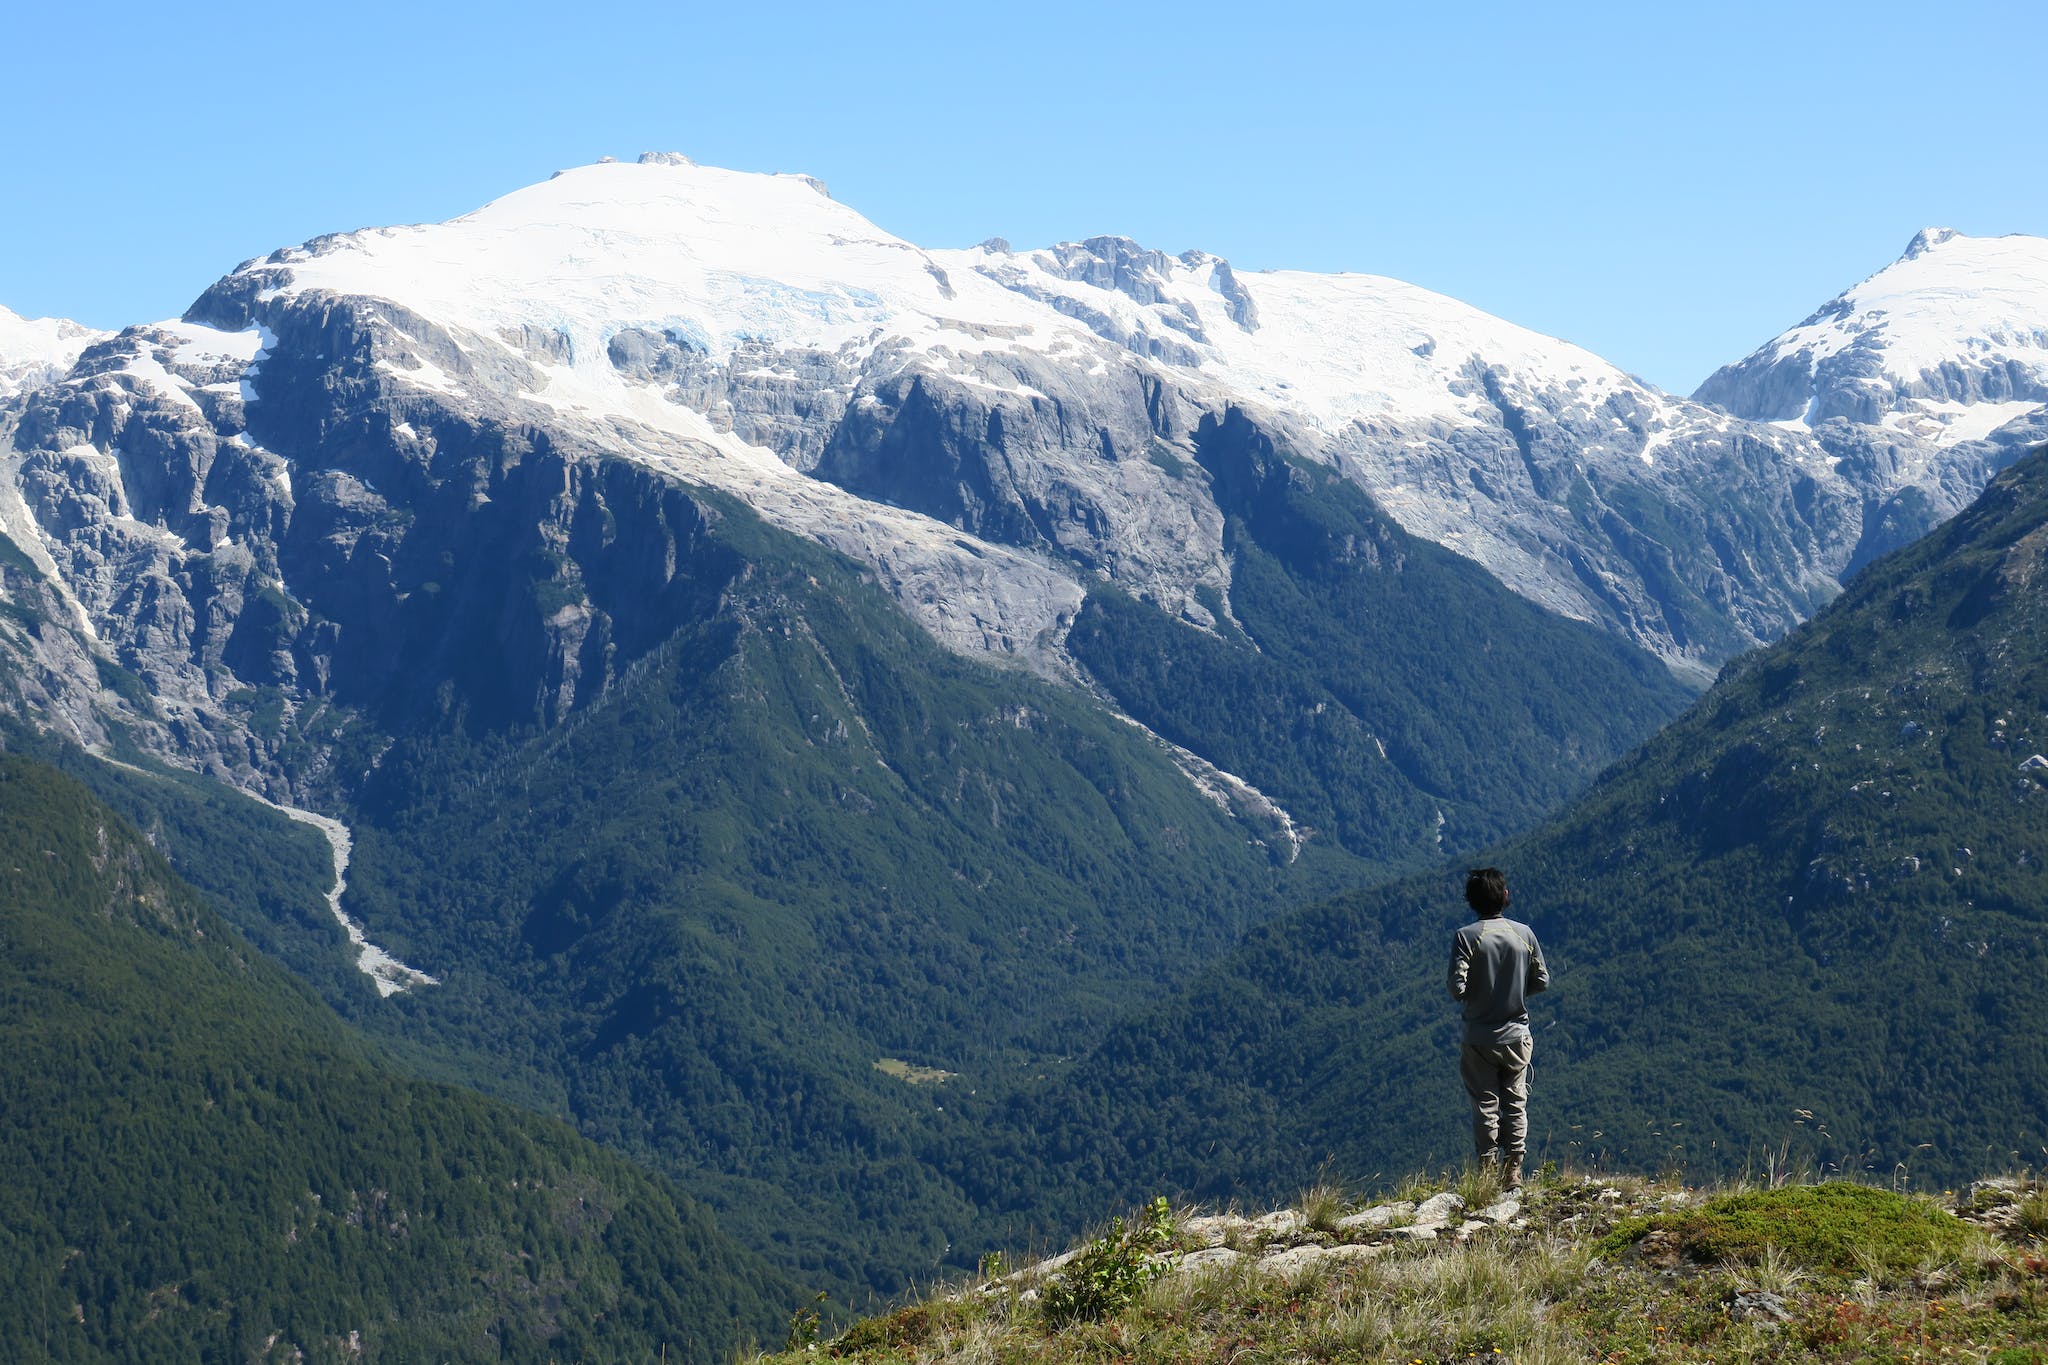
column 1511, row 1174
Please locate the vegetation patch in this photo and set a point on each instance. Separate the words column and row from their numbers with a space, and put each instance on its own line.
column 912, row 1074
column 1836, row 1226
column 1114, row 1269
column 912, row 1325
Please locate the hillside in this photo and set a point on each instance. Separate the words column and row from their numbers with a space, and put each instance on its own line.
column 1578, row 1268
column 221, row 1171
column 1807, row 916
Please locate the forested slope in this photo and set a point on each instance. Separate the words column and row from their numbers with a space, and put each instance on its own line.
column 206, row 1164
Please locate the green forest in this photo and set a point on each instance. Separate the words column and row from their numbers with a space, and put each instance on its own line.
column 207, row 1165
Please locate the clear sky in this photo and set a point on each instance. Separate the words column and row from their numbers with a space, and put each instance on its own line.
column 1667, row 185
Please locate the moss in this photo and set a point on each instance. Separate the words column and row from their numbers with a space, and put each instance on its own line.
column 913, row 1325
column 1836, row 1226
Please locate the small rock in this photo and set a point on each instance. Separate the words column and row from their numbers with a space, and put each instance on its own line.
column 1438, row 1208
column 1380, row 1216
column 1500, row 1211
column 1280, row 1223
column 1208, row 1256
column 1291, row 1260
column 1758, row 1305
column 1215, row 1229
column 1661, row 1249
column 1354, row 1251
column 1420, row 1232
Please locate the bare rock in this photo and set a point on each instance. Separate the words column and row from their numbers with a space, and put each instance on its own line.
column 1503, row 1210
column 1379, row 1216
column 1439, row 1208
column 1214, row 1229
column 1758, row 1305
column 1280, row 1223
column 1205, row 1259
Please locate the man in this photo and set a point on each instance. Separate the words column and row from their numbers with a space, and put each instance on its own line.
column 1496, row 964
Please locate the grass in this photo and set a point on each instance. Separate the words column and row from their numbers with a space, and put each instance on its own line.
column 1859, row 1273
column 1320, row 1206
column 912, row 1074
column 1837, row 1226
column 2030, row 1217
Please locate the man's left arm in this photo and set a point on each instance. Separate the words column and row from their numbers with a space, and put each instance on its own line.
column 1539, row 972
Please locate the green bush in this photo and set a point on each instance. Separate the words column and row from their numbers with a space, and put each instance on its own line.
column 1113, row 1271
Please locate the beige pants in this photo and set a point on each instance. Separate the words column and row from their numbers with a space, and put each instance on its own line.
column 1497, row 1078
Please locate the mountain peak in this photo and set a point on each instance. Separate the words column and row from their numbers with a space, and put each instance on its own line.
column 1946, row 345
column 1926, row 239
column 36, row 350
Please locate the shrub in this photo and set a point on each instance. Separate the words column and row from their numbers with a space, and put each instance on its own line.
column 1109, row 1275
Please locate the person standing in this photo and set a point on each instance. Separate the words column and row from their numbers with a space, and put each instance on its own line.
column 1496, row 964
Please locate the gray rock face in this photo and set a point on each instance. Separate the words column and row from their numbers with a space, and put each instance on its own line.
column 367, row 567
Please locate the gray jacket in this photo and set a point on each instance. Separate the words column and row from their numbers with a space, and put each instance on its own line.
column 1495, row 965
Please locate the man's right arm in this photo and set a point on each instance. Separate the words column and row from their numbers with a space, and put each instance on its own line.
column 1539, row 972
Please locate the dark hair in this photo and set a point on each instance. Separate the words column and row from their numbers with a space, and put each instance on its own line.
column 1486, row 890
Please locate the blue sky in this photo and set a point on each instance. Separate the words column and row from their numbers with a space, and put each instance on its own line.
column 1666, row 185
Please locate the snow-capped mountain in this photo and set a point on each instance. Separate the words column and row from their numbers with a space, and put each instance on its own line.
column 1947, row 344
column 37, row 350
column 1923, row 380
column 769, row 339
column 991, row 431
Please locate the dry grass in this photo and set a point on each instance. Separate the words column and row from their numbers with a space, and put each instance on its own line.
column 1321, row 1205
